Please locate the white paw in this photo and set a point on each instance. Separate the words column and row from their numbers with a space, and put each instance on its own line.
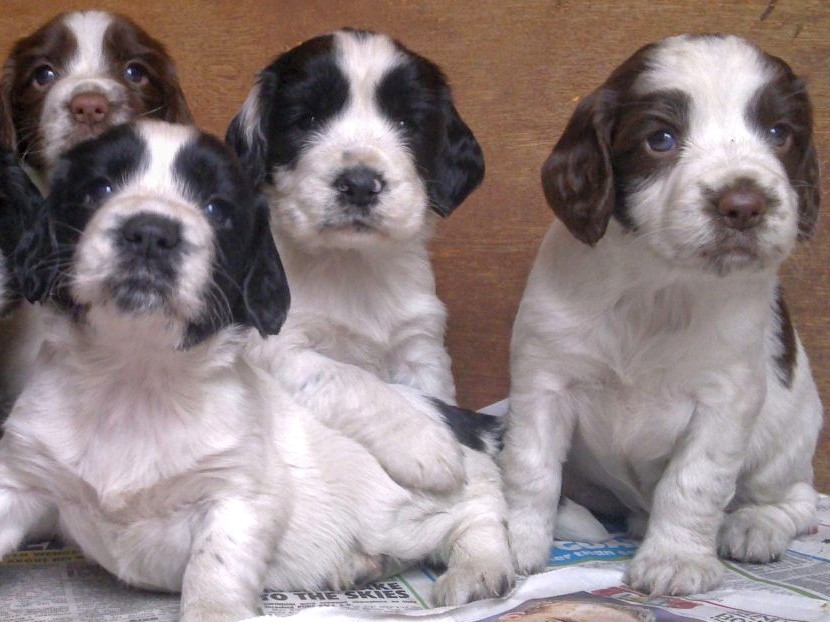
column 755, row 534
column 530, row 542
column 464, row 583
column 206, row 611
column 669, row 573
column 430, row 459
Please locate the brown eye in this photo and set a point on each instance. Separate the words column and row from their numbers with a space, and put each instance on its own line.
column 781, row 136
column 44, row 76
column 662, row 141
column 135, row 73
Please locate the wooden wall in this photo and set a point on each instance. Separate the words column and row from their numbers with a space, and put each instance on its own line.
column 517, row 69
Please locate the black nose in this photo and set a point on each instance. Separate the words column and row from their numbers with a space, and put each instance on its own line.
column 359, row 185
column 151, row 235
column 742, row 207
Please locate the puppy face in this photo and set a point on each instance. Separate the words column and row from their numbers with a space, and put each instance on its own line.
column 78, row 75
column 158, row 220
column 358, row 139
column 20, row 203
column 699, row 145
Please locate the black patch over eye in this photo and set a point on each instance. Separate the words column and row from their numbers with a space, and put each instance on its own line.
column 308, row 122
column 662, row 141
column 98, row 190
column 135, row 72
column 218, row 212
column 780, row 136
column 44, row 75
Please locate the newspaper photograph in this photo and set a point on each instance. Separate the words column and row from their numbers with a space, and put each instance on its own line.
column 583, row 582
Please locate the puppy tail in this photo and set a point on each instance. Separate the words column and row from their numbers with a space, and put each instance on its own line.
column 575, row 522
column 475, row 430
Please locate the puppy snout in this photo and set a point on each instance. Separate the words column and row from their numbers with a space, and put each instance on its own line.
column 742, row 206
column 151, row 235
column 90, row 108
column 359, row 185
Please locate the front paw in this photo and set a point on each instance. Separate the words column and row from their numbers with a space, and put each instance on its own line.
column 427, row 457
column 530, row 542
column 756, row 534
column 663, row 572
column 213, row 612
column 462, row 584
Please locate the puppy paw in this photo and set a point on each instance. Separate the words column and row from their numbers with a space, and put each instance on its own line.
column 530, row 542
column 465, row 583
column 673, row 574
column 430, row 459
column 203, row 611
column 757, row 534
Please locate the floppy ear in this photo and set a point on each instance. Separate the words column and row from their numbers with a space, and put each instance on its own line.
column 36, row 258
column 577, row 177
column 176, row 109
column 8, row 135
column 246, row 134
column 808, row 186
column 459, row 162
column 265, row 295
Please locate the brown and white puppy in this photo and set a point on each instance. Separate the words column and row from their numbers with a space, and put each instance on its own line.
column 653, row 349
column 74, row 77
column 78, row 75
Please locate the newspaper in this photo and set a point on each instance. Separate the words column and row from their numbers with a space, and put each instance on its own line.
column 583, row 582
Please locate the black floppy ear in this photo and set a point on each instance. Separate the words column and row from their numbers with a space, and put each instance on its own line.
column 808, row 186
column 578, row 177
column 459, row 162
column 247, row 132
column 265, row 295
column 35, row 258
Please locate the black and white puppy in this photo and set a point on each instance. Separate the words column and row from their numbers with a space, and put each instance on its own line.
column 171, row 460
column 653, row 349
column 359, row 147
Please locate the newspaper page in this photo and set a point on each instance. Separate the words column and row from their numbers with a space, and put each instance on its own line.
column 583, row 582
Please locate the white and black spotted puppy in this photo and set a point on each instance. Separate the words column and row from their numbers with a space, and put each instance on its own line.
column 171, row 460
column 653, row 349
column 359, row 147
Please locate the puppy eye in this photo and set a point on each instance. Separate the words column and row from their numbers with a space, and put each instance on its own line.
column 308, row 122
column 662, row 141
column 134, row 72
column 218, row 212
column 98, row 191
column 44, row 75
column 781, row 136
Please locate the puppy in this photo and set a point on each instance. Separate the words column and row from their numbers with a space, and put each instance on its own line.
column 74, row 77
column 653, row 349
column 359, row 147
column 171, row 460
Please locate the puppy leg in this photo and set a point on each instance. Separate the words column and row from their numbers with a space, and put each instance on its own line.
column 419, row 360
column 226, row 570
column 22, row 511
column 478, row 556
column 401, row 428
column 539, row 431
column 678, row 553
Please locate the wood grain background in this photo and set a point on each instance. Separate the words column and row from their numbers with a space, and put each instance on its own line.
column 517, row 69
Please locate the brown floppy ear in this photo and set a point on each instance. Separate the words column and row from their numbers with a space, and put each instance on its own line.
column 808, row 186
column 176, row 109
column 577, row 177
column 8, row 136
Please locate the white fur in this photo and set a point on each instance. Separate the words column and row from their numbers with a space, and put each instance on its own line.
column 652, row 371
column 191, row 470
column 365, row 317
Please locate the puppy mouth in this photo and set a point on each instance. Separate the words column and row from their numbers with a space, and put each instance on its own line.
column 140, row 293
column 357, row 223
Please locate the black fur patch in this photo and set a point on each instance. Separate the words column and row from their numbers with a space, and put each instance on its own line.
column 471, row 428
column 786, row 357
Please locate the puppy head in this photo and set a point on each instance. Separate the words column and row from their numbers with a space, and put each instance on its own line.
column 78, row 75
column 358, row 139
column 701, row 147
column 20, row 206
column 158, row 220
